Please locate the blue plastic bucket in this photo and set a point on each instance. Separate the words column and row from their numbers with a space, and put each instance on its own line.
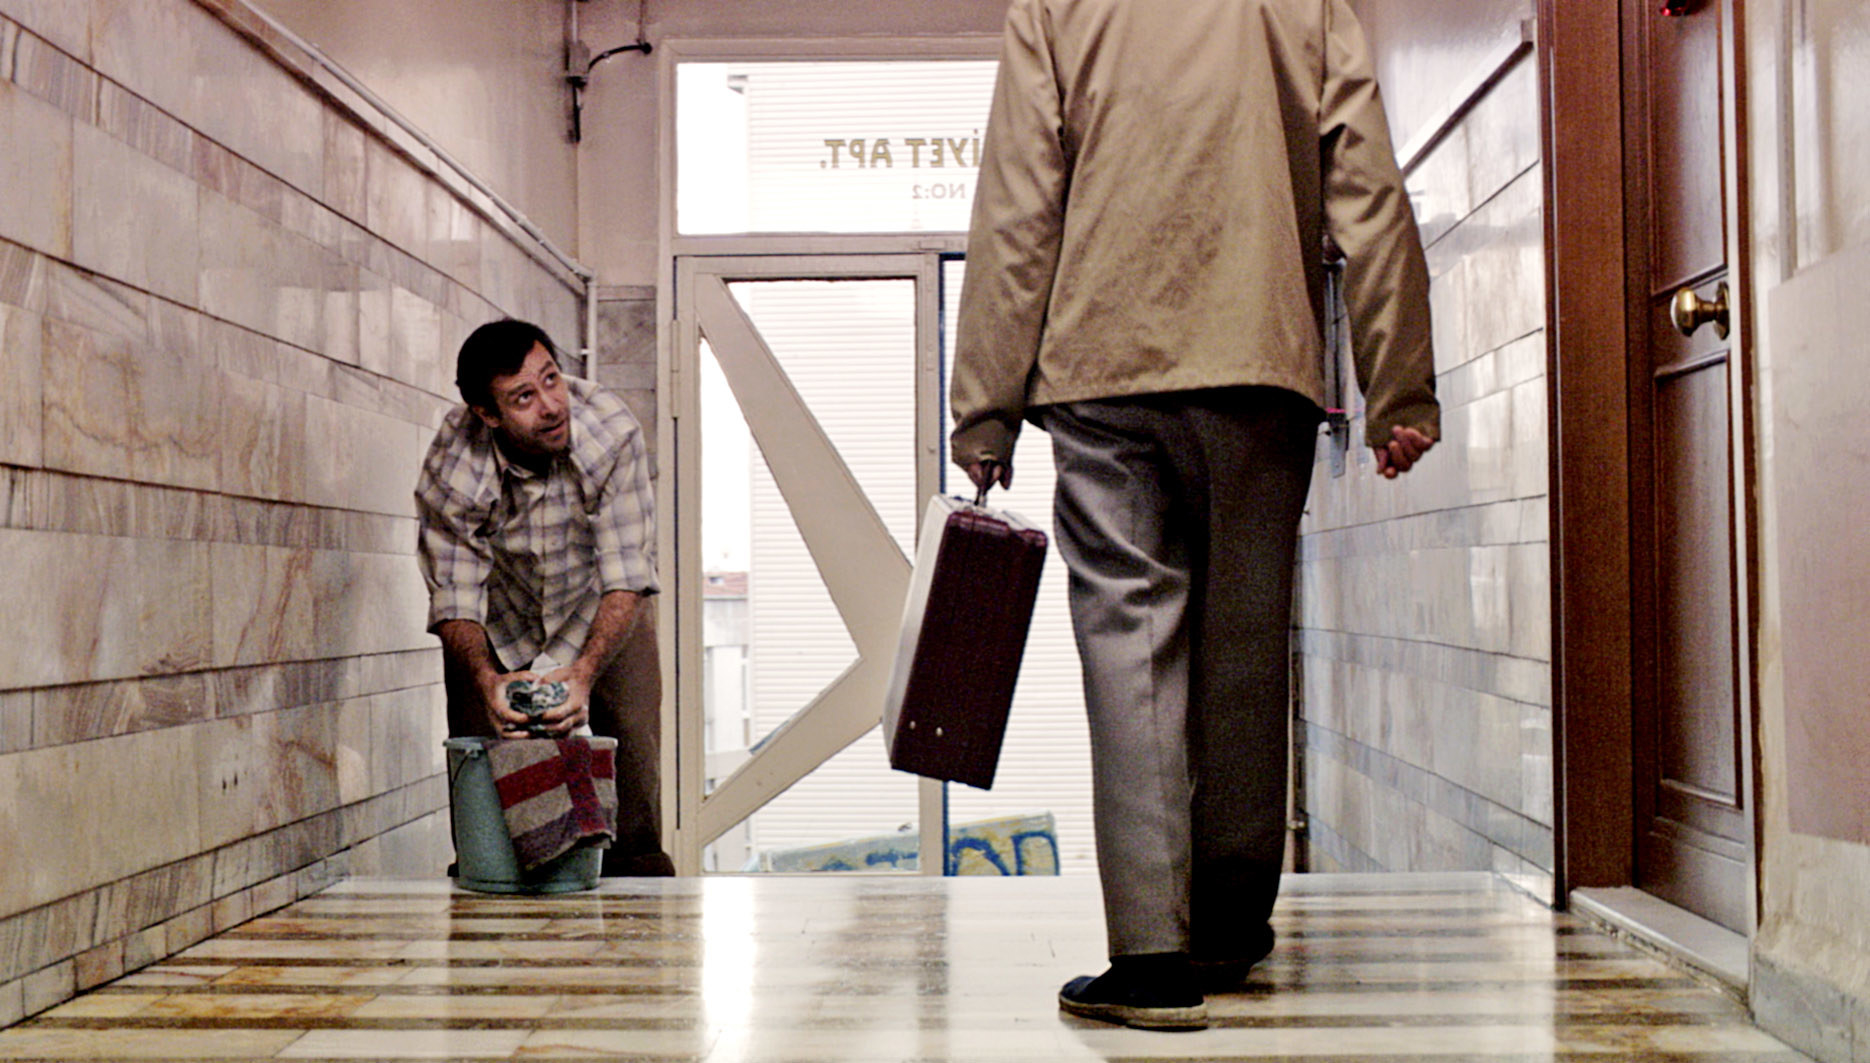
column 484, row 859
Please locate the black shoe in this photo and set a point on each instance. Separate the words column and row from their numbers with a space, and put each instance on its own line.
column 1153, row 992
column 1222, row 974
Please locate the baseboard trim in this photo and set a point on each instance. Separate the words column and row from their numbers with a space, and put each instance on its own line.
column 1675, row 934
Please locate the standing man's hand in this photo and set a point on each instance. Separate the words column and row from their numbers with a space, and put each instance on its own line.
column 575, row 711
column 1405, row 448
column 985, row 473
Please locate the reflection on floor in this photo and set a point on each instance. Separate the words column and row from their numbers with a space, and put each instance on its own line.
column 831, row 968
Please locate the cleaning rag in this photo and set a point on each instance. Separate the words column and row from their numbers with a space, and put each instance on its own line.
column 557, row 794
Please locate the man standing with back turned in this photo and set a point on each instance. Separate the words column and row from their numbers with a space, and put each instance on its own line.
column 1146, row 283
column 538, row 547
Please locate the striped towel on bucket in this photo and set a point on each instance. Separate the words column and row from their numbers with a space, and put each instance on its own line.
column 557, row 794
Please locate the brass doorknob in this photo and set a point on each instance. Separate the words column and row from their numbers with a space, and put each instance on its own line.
column 1690, row 311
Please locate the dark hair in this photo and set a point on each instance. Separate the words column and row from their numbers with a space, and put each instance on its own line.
column 498, row 348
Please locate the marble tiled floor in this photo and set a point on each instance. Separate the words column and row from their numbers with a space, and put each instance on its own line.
column 1369, row 968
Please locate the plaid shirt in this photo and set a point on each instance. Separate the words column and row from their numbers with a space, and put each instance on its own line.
column 527, row 555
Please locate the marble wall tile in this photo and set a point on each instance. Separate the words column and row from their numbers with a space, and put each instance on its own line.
column 144, row 948
column 269, row 688
column 240, row 351
column 455, row 235
column 373, row 322
column 420, row 849
column 1447, row 298
column 1502, row 140
column 304, row 216
column 81, row 504
column 65, row 23
column 176, row 405
column 36, row 211
column 389, row 741
column 22, row 278
column 86, row 394
column 627, row 343
column 415, row 348
column 219, row 169
column 91, row 608
column 1537, row 795
column 299, row 766
column 95, row 966
column 145, row 128
column 455, row 330
column 172, row 513
column 346, row 179
column 37, row 568
column 262, row 604
column 359, row 459
column 232, row 910
column 1809, row 1013
column 259, row 522
column 1462, row 731
column 45, row 934
column 266, row 279
column 22, row 420
column 12, row 1002
column 174, row 622
column 51, row 985
column 304, row 370
column 1439, row 187
column 150, row 48
column 1483, row 430
column 15, row 720
column 55, row 77
column 229, row 782
column 367, row 603
column 1530, row 588
column 396, row 198
column 1529, row 450
column 333, row 448
column 245, row 100
column 133, row 218
column 1490, row 597
column 189, row 928
column 262, row 433
column 94, row 302
column 44, row 810
column 1505, row 297
column 84, row 711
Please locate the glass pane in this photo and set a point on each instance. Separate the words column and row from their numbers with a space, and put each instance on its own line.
column 829, row 145
column 1045, row 761
column 774, row 637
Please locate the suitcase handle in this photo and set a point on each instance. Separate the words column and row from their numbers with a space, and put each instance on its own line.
column 990, row 471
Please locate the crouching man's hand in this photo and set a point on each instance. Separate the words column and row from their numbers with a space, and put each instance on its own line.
column 575, row 711
column 505, row 720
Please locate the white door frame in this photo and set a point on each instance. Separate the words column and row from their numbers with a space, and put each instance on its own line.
column 864, row 570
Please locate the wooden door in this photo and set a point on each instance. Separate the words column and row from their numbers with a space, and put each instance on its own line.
column 1692, row 825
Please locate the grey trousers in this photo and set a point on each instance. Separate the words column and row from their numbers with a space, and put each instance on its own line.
column 1177, row 516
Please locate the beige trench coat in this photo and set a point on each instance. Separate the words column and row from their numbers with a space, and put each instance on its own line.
column 1156, row 185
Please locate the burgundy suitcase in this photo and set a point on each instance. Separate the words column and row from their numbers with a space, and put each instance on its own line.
column 964, row 632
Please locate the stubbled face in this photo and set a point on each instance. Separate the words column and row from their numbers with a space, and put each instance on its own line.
column 532, row 408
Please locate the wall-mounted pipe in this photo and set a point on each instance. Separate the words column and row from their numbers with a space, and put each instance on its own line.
column 579, row 62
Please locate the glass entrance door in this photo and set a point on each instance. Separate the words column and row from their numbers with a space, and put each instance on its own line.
column 807, row 414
